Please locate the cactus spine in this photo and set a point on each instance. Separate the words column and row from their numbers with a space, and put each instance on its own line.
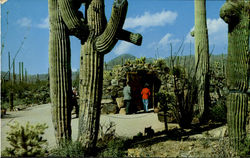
column 236, row 14
column 64, row 21
column 202, row 57
column 101, row 39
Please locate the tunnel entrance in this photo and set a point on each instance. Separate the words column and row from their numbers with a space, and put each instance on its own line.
column 137, row 81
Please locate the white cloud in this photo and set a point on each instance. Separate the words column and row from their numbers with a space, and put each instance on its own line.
column 122, row 48
column 44, row 23
column 165, row 41
column 151, row 20
column 24, row 22
column 217, row 32
column 3, row 1
column 74, row 69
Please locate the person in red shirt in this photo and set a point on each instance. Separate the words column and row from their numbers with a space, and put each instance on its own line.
column 145, row 94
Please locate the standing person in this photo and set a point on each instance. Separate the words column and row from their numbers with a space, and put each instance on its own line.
column 127, row 97
column 145, row 94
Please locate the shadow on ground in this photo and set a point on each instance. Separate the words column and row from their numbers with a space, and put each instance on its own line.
column 173, row 134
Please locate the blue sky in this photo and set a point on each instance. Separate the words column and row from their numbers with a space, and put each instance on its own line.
column 160, row 22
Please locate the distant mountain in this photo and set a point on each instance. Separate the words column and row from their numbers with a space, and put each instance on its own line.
column 119, row 60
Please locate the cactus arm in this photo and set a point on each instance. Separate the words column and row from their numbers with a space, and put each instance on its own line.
column 134, row 38
column 73, row 18
column 192, row 33
column 107, row 40
column 230, row 12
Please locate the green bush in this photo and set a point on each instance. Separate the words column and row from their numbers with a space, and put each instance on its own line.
column 26, row 140
column 115, row 148
column 218, row 113
column 245, row 148
column 68, row 149
column 26, row 93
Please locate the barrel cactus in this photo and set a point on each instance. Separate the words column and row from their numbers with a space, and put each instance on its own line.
column 202, row 57
column 236, row 14
column 102, row 38
column 65, row 20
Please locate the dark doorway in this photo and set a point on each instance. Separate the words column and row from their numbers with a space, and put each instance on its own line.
column 137, row 81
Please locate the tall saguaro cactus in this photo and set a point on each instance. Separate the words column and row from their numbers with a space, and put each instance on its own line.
column 101, row 39
column 20, row 71
column 65, row 20
column 202, row 56
column 236, row 13
column 9, row 66
column 14, row 74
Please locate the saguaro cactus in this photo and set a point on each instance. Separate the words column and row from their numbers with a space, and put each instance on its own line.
column 22, row 78
column 202, row 56
column 20, row 71
column 236, row 14
column 64, row 21
column 102, row 38
column 14, row 75
column 9, row 66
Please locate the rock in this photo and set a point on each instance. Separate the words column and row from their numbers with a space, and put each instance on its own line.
column 120, row 102
column 122, row 111
column 218, row 132
column 156, row 110
column 134, row 153
column 109, row 109
column 106, row 101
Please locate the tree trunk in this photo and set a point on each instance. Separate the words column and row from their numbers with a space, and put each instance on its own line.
column 236, row 14
column 202, row 57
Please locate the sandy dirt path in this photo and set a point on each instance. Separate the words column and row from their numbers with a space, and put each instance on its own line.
column 126, row 125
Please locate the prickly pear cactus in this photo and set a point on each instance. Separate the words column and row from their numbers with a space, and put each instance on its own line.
column 202, row 57
column 65, row 20
column 101, row 39
column 237, row 13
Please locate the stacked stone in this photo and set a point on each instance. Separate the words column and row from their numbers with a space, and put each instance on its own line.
column 115, row 80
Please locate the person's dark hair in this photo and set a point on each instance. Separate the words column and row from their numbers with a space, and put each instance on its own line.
column 146, row 85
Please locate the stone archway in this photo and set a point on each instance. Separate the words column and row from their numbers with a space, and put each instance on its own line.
column 137, row 81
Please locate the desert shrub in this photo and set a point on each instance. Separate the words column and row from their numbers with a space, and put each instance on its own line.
column 68, row 149
column 26, row 140
column 106, row 134
column 185, row 92
column 223, row 149
column 218, row 113
column 245, row 148
column 218, row 92
column 26, row 93
column 115, row 148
